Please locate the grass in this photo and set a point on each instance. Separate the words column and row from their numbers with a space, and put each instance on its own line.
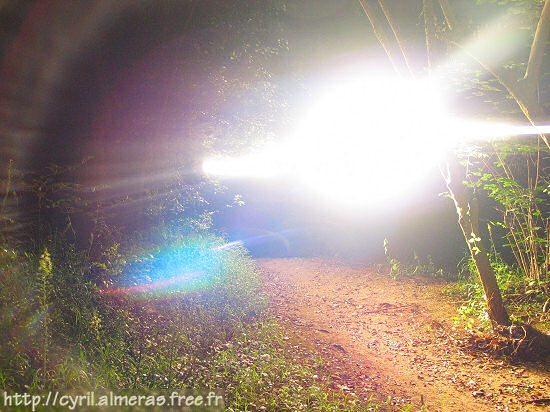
column 75, row 324
column 523, row 298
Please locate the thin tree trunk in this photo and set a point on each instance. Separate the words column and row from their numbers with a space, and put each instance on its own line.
column 468, row 220
column 524, row 90
column 429, row 28
column 382, row 36
column 394, row 29
column 448, row 14
column 467, row 212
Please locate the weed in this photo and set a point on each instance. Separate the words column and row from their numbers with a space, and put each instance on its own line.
column 44, row 288
column 417, row 267
column 520, row 293
column 214, row 332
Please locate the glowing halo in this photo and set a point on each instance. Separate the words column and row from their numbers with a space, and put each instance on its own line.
column 368, row 141
column 187, row 265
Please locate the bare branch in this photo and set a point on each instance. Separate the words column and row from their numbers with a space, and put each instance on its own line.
column 532, row 110
column 537, row 47
column 429, row 27
column 380, row 33
column 449, row 14
column 393, row 27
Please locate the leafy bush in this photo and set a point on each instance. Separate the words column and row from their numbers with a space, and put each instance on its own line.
column 512, row 175
column 69, row 323
column 170, row 307
column 523, row 299
column 418, row 267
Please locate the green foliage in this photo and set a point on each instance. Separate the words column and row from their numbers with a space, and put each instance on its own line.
column 44, row 286
column 262, row 369
column 524, row 302
column 65, row 326
column 418, row 267
column 9, row 201
column 54, row 190
column 512, row 175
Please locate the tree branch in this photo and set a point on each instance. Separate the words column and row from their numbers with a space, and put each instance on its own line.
column 537, row 47
column 393, row 27
column 429, row 27
column 523, row 96
column 380, row 32
column 449, row 14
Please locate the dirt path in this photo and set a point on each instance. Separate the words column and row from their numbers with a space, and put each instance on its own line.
column 395, row 338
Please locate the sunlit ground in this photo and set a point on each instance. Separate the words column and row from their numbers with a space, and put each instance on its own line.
column 367, row 141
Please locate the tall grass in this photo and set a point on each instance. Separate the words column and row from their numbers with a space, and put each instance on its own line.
column 520, row 293
column 73, row 324
column 172, row 307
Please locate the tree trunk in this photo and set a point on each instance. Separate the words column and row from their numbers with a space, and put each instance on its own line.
column 466, row 207
column 468, row 220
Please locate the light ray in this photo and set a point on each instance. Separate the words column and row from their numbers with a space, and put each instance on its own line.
column 369, row 141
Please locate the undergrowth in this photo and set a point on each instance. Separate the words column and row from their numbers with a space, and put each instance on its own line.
column 417, row 267
column 72, row 323
column 524, row 298
column 174, row 308
column 527, row 300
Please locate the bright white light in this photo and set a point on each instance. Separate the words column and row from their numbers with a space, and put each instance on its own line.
column 269, row 162
column 367, row 141
column 372, row 140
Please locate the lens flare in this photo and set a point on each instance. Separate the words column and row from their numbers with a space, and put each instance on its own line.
column 187, row 265
column 369, row 141
column 269, row 162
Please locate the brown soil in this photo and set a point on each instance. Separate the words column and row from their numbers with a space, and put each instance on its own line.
column 395, row 338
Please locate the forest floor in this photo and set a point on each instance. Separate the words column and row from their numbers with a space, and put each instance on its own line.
column 395, row 339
